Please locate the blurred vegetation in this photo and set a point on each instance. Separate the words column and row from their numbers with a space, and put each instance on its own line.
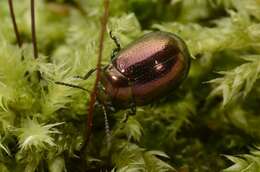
column 210, row 123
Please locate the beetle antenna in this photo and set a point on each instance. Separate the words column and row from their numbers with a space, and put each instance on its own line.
column 72, row 85
column 107, row 128
column 33, row 28
column 16, row 31
column 93, row 94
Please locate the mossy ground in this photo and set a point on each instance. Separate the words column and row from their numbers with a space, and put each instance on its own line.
column 201, row 126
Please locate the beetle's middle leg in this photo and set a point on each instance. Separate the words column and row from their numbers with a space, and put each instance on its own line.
column 87, row 75
column 90, row 72
column 118, row 46
column 132, row 110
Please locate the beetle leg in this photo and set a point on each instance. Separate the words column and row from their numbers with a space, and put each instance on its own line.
column 118, row 47
column 133, row 104
column 129, row 113
column 132, row 110
column 87, row 75
column 90, row 72
column 125, row 118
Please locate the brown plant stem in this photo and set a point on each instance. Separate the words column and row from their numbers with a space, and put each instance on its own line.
column 33, row 28
column 93, row 94
column 16, row 31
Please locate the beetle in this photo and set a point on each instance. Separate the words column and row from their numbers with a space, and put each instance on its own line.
column 143, row 71
column 147, row 69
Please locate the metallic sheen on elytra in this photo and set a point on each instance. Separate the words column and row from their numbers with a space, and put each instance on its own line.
column 147, row 69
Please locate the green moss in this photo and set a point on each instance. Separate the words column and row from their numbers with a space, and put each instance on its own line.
column 215, row 112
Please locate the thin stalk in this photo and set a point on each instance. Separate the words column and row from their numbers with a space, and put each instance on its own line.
column 33, row 28
column 16, row 31
column 93, row 94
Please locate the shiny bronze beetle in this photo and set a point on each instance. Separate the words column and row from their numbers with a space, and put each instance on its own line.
column 146, row 70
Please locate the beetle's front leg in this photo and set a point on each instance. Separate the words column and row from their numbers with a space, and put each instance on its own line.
column 118, row 46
